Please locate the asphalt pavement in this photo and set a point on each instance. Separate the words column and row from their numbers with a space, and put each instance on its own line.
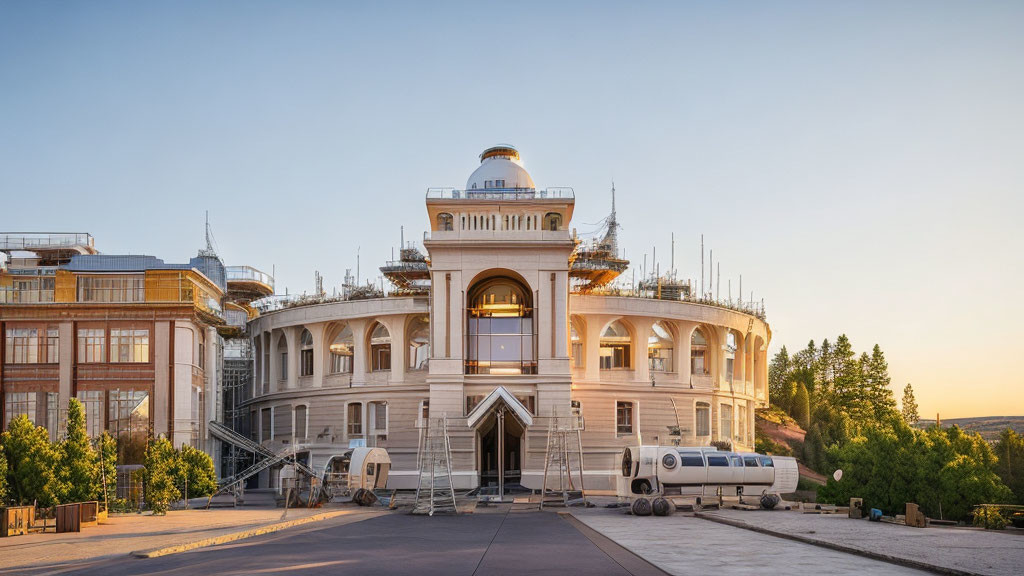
column 538, row 543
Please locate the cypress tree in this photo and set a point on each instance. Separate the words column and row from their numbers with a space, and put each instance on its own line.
column 881, row 400
column 910, row 413
column 106, row 470
column 778, row 374
column 78, row 467
column 801, row 409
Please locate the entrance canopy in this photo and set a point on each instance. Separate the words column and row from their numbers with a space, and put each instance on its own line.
column 499, row 394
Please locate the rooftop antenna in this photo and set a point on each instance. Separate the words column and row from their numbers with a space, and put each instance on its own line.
column 701, row 266
column 673, row 270
column 741, row 290
column 208, row 251
column 718, row 282
column 357, row 264
column 711, row 271
column 401, row 243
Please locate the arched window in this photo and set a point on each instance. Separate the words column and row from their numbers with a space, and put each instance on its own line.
column 282, row 349
column 500, row 322
column 419, row 343
column 660, row 348
column 445, row 222
column 703, row 419
column 306, row 354
column 698, row 353
column 615, row 347
column 380, row 348
column 341, row 351
column 552, row 221
column 576, row 348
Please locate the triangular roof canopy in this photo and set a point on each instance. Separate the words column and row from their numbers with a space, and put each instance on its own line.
column 499, row 393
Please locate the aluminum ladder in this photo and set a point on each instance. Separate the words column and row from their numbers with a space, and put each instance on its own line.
column 562, row 457
column 435, row 492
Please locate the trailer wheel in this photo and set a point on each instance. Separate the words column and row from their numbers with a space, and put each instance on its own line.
column 661, row 507
column 769, row 501
column 641, row 487
column 641, row 507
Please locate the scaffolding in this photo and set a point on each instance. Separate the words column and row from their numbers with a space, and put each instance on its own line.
column 435, row 491
column 410, row 274
column 596, row 263
column 236, row 387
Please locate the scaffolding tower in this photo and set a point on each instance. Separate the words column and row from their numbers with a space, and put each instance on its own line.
column 435, row 491
column 236, row 388
column 563, row 458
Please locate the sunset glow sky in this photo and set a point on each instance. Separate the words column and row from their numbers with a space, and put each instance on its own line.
column 860, row 164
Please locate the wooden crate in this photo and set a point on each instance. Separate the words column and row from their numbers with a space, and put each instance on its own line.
column 90, row 514
column 16, row 520
column 69, row 517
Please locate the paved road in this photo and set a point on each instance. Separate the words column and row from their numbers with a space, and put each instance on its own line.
column 477, row 544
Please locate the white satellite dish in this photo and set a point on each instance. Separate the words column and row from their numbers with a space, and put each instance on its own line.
column 838, row 475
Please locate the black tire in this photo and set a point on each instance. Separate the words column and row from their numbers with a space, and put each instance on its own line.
column 662, row 507
column 641, row 507
column 641, row 487
column 770, row 501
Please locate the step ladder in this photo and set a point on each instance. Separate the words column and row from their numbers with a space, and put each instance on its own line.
column 435, row 492
column 562, row 459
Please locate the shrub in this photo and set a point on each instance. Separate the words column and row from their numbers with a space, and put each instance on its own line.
column 3, row 477
column 723, row 445
column 989, row 518
column 194, row 469
column 158, row 478
column 765, row 445
column 31, row 460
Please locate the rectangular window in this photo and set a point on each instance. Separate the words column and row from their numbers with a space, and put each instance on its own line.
column 614, row 356
column 697, row 364
column 499, row 183
column 300, row 422
column 52, row 415
column 380, row 417
column 691, row 459
column 306, row 362
column 18, row 403
column 129, row 424
column 703, row 419
column 284, row 365
column 130, row 345
column 52, row 345
column 355, row 420
column 92, row 404
column 341, row 363
column 725, row 432
column 22, row 346
column 266, row 425
column 530, row 402
column 92, row 345
column 112, row 288
column 624, row 417
column 741, row 423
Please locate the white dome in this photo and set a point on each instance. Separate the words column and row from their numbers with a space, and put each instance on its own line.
column 500, row 168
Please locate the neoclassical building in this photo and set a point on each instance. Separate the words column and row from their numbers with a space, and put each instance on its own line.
column 507, row 309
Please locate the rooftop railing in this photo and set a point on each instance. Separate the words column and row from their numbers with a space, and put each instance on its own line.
column 501, row 194
column 755, row 309
column 44, row 240
column 248, row 274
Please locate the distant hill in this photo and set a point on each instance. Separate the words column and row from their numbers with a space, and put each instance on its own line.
column 988, row 426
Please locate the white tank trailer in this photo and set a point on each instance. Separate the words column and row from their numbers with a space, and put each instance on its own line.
column 677, row 471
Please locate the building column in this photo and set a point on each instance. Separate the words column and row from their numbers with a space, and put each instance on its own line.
column 359, row 349
column 396, row 329
column 684, row 347
column 291, row 335
column 318, row 332
column 641, row 366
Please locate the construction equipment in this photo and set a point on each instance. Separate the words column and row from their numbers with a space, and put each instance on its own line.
column 435, row 491
column 563, row 457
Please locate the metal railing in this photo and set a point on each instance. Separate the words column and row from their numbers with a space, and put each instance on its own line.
column 756, row 309
column 564, row 193
column 248, row 274
column 41, row 240
column 9, row 295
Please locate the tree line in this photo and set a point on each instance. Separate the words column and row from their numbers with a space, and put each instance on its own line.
column 844, row 403
column 34, row 470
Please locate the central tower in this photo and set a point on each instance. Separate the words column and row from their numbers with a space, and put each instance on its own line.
column 499, row 266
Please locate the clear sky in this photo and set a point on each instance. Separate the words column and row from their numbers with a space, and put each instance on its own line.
column 861, row 164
